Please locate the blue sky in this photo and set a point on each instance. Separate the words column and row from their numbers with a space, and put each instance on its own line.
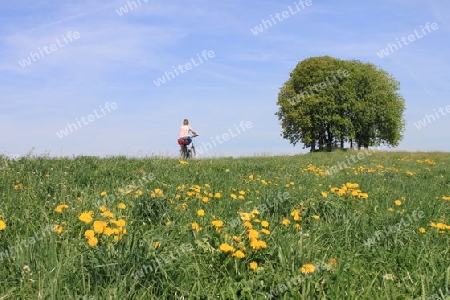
column 117, row 57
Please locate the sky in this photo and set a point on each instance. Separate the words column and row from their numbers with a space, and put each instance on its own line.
column 109, row 78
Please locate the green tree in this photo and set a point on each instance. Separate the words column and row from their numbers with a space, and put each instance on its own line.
column 327, row 102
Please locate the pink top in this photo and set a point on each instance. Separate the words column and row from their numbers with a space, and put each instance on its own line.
column 184, row 130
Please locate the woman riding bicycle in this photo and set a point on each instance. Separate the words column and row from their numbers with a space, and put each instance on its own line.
column 184, row 131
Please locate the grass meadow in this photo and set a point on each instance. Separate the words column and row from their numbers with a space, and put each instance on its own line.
column 313, row 226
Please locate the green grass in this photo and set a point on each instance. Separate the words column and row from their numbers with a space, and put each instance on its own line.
column 402, row 263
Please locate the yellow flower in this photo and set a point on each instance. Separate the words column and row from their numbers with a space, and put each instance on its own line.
column 108, row 231
column 86, row 217
column 121, row 223
column 157, row 245
column 248, row 224
column 108, row 214
column 205, row 199
column 265, row 231
column 298, row 227
column 233, row 196
column 391, row 209
column 226, row 248
column 103, row 208
column 18, row 186
column 245, row 216
column 241, row 192
column 422, row 230
column 200, row 212
column 253, row 265
column 296, row 215
column 93, row 241
column 227, row 170
column 217, row 223
column 121, row 206
column 253, row 234
column 2, row 225
column 285, row 222
column 255, row 212
column 236, row 239
column 308, row 268
column 61, row 207
column 265, row 224
column 240, row 197
column 89, row 233
column 196, row 227
column 250, row 177
column 57, row 228
column 316, row 217
column 445, row 198
column 168, row 223
column 103, row 193
column 324, row 194
column 99, row 226
column 217, row 195
column 238, row 254
column 182, row 162
column 398, row 202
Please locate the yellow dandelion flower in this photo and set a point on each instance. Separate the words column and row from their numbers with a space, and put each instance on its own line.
column 183, row 162
column 108, row 214
column 250, row 177
column 316, row 217
column 200, row 212
column 240, row 197
column 121, row 223
column 217, row 195
column 236, row 239
column 265, row 231
column 227, row 170
column 168, row 223
column 108, row 231
column 445, row 198
column 265, row 224
column 86, row 217
column 93, row 241
column 226, row 248
column 391, row 209
column 156, row 245
column 196, row 227
column 255, row 212
column 205, row 199
column 298, row 226
column 99, row 226
column 324, row 194
column 233, row 196
column 57, row 228
column 121, row 206
column 253, row 234
column 217, row 223
column 89, row 233
column 285, row 222
column 238, row 254
column 241, row 192
column 398, row 202
column 2, row 225
column 61, row 207
column 308, row 269
column 253, row 265
column 103, row 193
column 422, row 230
column 248, row 224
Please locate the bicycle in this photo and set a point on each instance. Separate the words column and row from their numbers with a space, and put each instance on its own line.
column 187, row 152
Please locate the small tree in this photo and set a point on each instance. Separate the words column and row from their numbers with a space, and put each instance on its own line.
column 328, row 102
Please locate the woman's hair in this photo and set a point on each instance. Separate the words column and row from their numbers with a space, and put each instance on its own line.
column 185, row 122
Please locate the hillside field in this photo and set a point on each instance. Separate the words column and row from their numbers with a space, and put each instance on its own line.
column 339, row 225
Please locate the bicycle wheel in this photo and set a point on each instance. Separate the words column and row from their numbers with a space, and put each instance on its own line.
column 192, row 151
